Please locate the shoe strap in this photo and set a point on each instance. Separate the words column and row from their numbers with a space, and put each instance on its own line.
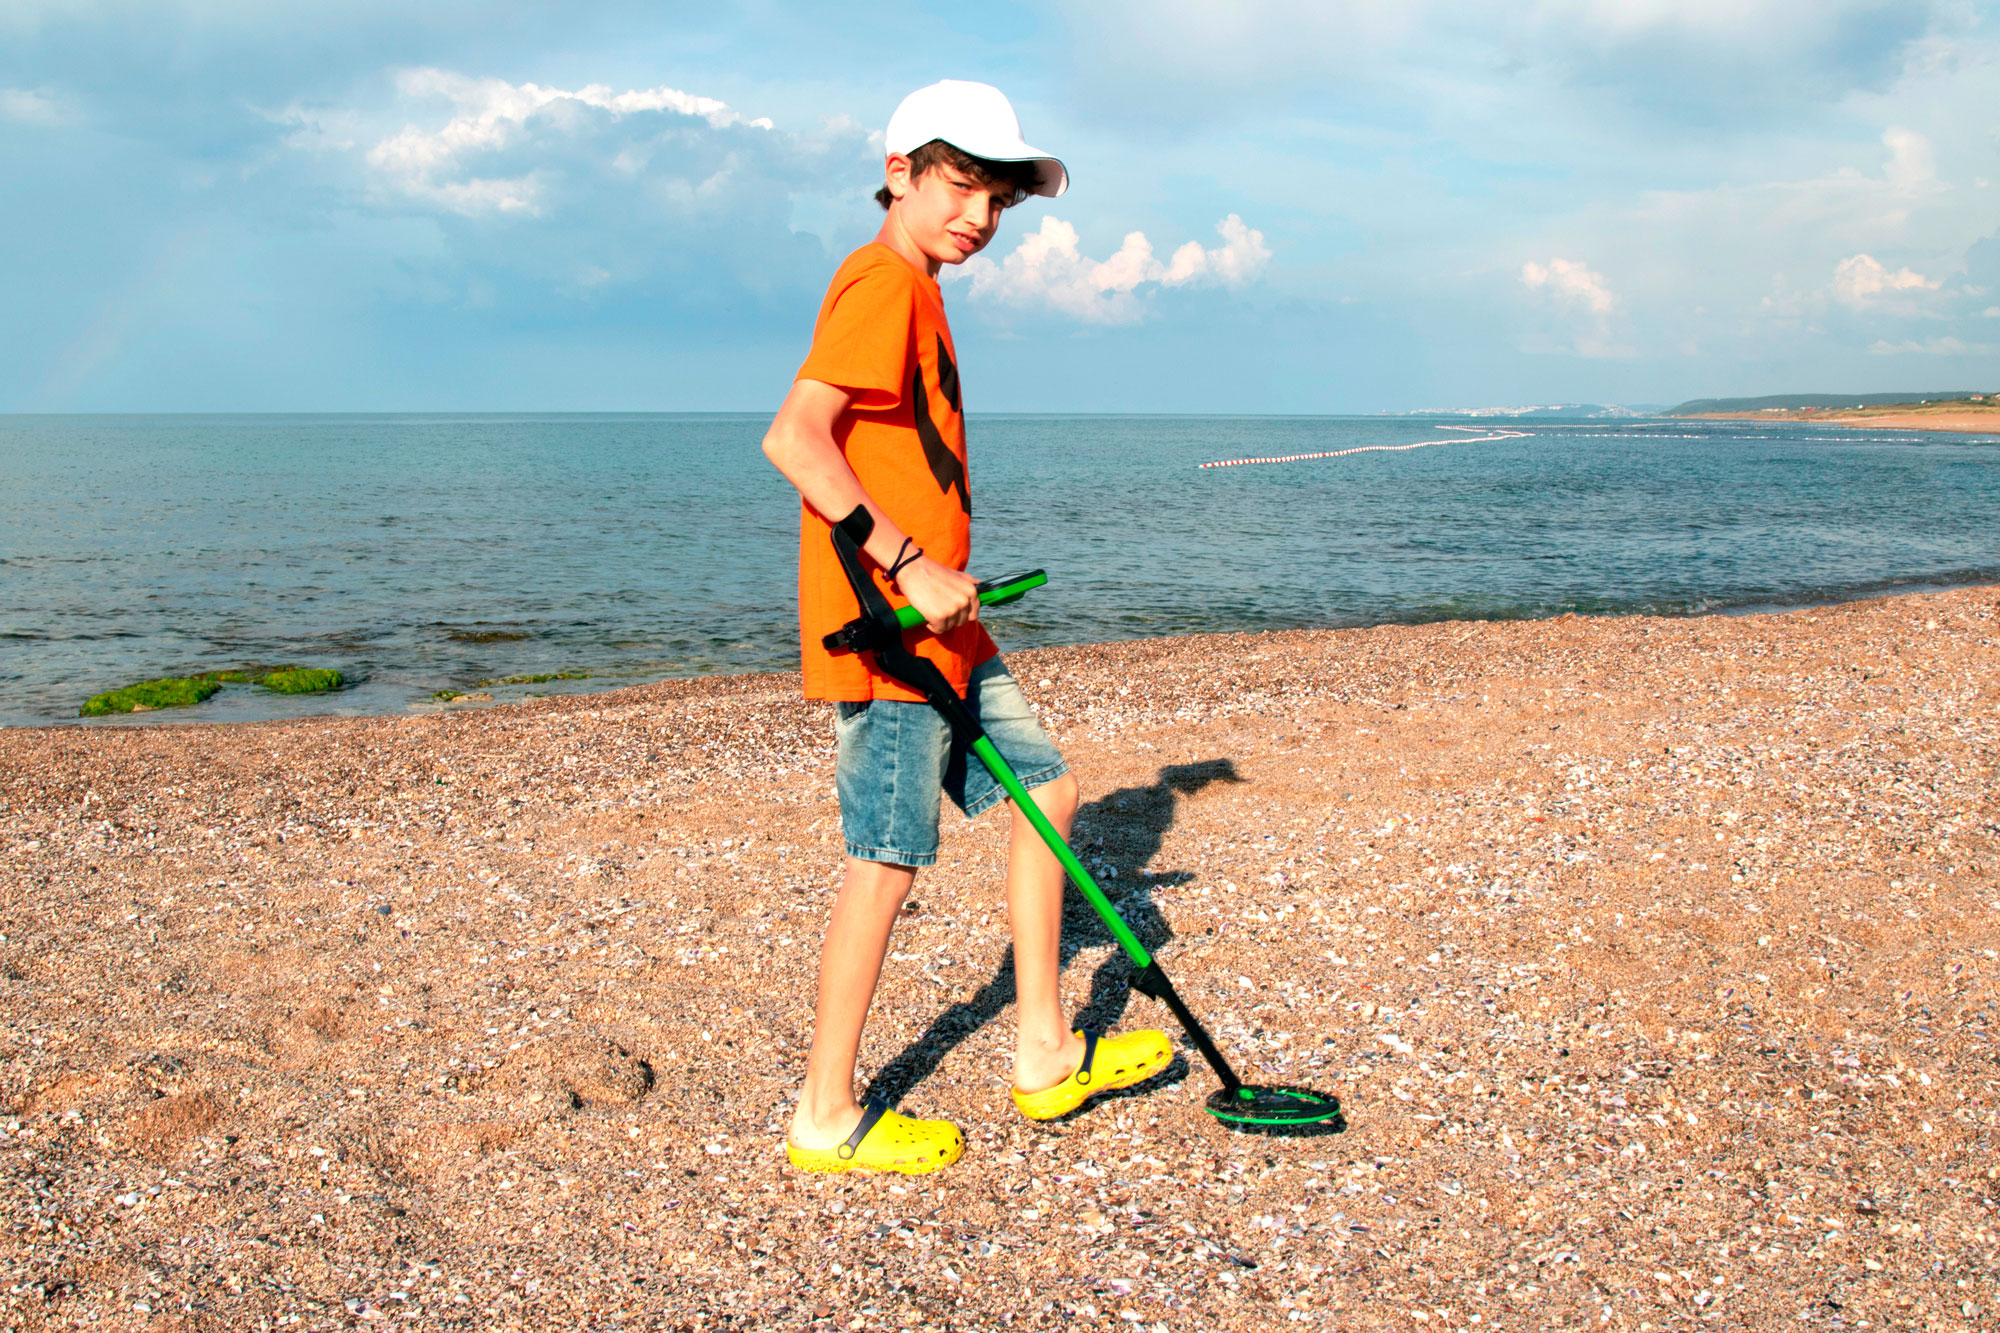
column 871, row 1111
column 1082, row 1075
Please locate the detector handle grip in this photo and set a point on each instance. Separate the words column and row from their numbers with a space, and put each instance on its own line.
column 992, row 592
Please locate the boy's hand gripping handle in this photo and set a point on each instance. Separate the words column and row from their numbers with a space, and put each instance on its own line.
column 878, row 620
column 878, row 630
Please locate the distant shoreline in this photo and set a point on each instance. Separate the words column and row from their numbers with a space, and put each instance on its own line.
column 1958, row 421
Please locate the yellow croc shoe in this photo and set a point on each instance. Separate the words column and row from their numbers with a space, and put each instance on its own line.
column 1108, row 1063
column 886, row 1141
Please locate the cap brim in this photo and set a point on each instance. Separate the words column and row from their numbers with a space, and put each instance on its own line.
column 1051, row 176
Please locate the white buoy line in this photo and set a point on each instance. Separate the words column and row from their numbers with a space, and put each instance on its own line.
column 1381, row 448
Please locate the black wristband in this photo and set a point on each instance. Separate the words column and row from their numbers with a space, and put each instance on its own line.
column 904, row 561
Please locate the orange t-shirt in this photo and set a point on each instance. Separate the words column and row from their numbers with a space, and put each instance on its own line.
column 882, row 336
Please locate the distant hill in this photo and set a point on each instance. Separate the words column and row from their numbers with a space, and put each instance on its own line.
column 1792, row 401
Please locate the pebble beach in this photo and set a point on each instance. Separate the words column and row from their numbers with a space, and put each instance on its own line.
column 1653, row 960
column 1960, row 418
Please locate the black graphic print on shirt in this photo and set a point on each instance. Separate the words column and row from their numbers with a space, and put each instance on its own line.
column 948, row 376
column 945, row 464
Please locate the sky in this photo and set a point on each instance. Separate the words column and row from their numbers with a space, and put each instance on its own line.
column 1283, row 206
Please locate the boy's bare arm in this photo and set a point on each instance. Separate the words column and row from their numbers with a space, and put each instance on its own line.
column 800, row 445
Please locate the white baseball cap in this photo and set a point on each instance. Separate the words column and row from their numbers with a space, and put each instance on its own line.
column 974, row 118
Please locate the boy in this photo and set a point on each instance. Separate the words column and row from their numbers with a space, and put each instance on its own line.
column 874, row 419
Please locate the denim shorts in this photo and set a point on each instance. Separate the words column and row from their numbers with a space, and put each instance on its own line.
column 895, row 757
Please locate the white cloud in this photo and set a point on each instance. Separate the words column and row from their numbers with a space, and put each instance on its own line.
column 529, row 197
column 1859, row 279
column 1912, row 165
column 1933, row 347
column 1756, row 263
column 1235, row 263
column 25, row 106
column 1992, row 312
column 1049, row 269
column 493, row 116
column 1581, row 303
column 1569, row 281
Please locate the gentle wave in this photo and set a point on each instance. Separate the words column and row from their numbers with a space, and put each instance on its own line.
column 417, row 554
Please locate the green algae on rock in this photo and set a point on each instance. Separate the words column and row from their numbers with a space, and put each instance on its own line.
column 167, row 692
column 303, row 680
column 254, row 674
column 532, row 680
column 451, row 693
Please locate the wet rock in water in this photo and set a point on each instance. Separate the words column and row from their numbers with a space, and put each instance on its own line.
column 303, row 680
column 148, row 695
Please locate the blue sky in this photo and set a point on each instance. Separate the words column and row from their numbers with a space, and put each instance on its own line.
column 1278, row 205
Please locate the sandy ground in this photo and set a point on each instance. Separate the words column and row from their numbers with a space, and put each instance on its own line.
column 1961, row 420
column 1654, row 961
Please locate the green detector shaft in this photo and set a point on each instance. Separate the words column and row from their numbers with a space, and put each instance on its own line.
column 856, row 635
column 879, row 630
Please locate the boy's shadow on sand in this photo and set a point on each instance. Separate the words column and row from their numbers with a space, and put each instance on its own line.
column 1130, row 824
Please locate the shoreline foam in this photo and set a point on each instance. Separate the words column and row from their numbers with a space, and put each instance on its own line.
column 479, row 700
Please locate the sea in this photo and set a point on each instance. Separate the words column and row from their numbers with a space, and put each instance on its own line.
column 425, row 553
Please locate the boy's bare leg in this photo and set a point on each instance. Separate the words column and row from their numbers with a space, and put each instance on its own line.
column 1045, row 1050
column 850, row 962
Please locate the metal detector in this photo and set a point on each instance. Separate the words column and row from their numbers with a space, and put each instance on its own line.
column 879, row 630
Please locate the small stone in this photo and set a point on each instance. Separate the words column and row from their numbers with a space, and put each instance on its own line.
column 384, row 910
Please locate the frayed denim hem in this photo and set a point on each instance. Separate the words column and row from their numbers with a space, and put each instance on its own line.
column 1030, row 781
column 889, row 857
